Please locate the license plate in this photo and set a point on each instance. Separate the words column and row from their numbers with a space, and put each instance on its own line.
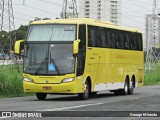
column 47, row 88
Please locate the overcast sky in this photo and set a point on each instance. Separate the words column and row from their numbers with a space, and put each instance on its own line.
column 133, row 11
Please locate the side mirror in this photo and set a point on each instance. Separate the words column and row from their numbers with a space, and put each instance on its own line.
column 76, row 46
column 19, row 46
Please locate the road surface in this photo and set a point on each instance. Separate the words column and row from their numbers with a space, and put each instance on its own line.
column 145, row 99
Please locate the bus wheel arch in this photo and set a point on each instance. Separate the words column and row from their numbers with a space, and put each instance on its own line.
column 133, row 80
column 125, row 89
column 132, row 85
column 87, row 90
column 90, row 84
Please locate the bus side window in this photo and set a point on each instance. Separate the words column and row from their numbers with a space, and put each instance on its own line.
column 122, row 40
column 91, row 36
column 126, row 41
column 82, row 36
column 139, row 40
column 113, row 42
column 132, row 41
column 102, row 38
column 116, row 39
column 107, row 38
column 135, row 42
column 82, row 50
column 119, row 40
column 98, row 37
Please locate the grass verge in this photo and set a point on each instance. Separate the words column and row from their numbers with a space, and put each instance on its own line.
column 11, row 82
column 152, row 79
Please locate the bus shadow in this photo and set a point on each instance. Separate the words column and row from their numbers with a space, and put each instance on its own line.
column 75, row 97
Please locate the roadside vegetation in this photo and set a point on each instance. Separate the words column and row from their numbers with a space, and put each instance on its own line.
column 152, row 78
column 11, row 81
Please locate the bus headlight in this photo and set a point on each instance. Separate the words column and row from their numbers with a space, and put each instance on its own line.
column 67, row 80
column 28, row 80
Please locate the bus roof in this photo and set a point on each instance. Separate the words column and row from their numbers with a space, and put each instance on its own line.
column 87, row 21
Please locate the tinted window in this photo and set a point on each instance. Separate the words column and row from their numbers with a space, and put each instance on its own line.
column 112, row 38
column 82, row 50
column 91, row 36
column 139, row 41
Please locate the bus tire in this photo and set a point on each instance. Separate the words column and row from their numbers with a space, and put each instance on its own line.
column 125, row 91
column 85, row 95
column 41, row 96
column 131, row 87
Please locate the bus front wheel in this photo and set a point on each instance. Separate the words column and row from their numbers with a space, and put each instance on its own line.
column 85, row 95
column 41, row 96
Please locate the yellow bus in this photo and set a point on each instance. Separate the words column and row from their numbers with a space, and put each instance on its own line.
column 81, row 56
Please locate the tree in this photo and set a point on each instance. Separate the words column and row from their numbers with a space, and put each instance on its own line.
column 21, row 32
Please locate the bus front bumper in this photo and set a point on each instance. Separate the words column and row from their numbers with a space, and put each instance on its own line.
column 62, row 88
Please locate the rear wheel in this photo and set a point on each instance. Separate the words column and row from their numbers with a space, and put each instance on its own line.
column 124, row 91
column 131, row 87
column 41, row 96
column 85, row 95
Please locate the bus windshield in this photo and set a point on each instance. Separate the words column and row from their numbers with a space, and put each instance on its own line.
column 52, row 33
column 49, row 59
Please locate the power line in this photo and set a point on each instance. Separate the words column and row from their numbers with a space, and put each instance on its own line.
column 136, row 12
column 69, row 9
column 40, row 10
column 51, row 3
column 142, row 6
column 144, row 3
column 128, row 16
column 25, row 14
column 131, row 16
column 22, row 19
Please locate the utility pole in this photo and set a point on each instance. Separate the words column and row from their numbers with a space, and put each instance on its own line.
column 153, row 56
column 7, row 30
column 69, row 9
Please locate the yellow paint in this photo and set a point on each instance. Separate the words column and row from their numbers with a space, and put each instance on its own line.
column 102, row 65
column 17, row 46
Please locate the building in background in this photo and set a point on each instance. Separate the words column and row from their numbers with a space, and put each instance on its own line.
column 152, row 31
column 104, row 10
column 116, row 11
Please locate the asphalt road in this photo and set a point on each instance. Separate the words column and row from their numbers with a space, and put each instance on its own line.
column 144, row 99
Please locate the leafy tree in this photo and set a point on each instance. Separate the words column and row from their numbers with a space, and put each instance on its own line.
column 21, row 32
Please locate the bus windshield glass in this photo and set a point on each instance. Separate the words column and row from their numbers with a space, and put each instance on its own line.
column 52, row 33
column 51, row 59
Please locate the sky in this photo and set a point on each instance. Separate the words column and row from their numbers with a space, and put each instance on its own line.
column 133, row 11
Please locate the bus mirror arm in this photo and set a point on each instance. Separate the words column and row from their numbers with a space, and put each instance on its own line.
column 76, row 46
column 19, row 47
